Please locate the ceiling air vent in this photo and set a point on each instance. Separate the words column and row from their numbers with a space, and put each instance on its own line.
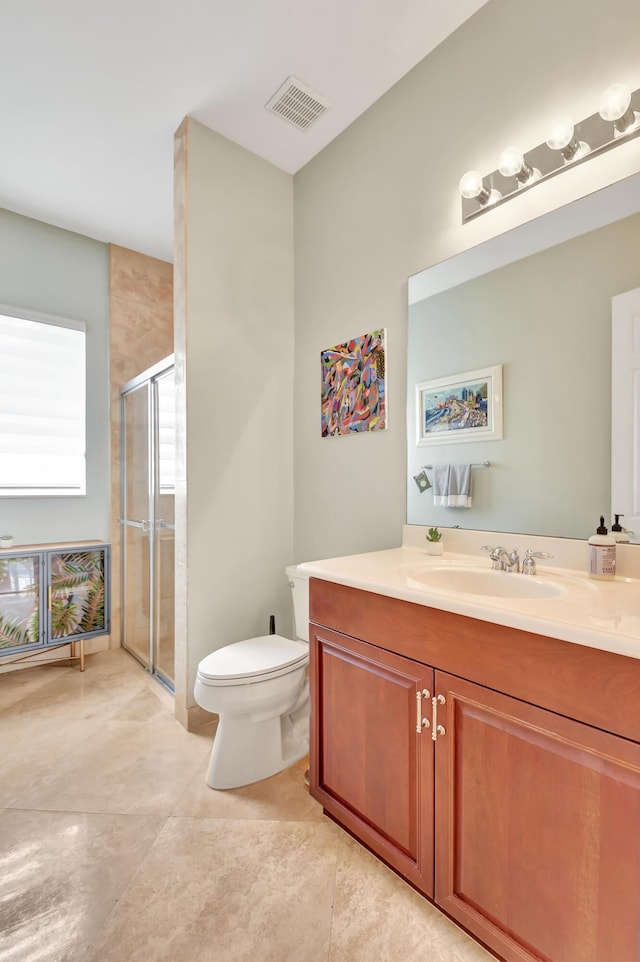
column 297, row 103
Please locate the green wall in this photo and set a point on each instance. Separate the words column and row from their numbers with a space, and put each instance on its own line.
column 381, row 203
column 57, row 272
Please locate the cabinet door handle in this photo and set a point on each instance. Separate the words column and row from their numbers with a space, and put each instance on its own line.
column 420, row 721
column 436, row 729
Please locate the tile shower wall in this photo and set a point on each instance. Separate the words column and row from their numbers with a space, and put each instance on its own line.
column 140, row 334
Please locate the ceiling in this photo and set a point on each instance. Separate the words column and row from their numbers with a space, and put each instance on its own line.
column 93, row 93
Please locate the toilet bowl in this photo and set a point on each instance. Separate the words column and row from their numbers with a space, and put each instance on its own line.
column 259, row 688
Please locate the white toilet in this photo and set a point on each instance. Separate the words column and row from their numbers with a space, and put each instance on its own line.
column 260, row 690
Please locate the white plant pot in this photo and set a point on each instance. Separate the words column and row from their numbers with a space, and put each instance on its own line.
column 435, row 547
column 6, row 542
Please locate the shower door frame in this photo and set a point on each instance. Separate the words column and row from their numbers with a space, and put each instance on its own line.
column 148, row 526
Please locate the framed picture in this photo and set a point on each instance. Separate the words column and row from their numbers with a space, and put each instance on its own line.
column 354, row 396
column 463, row 407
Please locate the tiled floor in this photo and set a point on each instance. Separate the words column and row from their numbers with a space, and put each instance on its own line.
column 113, row 848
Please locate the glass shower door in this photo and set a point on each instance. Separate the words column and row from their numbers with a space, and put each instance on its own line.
column 164, row 514
column 136, row 524
column 147, row 519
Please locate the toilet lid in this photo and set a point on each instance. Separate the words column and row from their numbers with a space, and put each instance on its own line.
column 253, row 658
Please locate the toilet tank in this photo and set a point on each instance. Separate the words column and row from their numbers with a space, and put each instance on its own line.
column 299, row 584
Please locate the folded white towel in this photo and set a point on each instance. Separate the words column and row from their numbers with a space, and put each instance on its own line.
column 451, row 485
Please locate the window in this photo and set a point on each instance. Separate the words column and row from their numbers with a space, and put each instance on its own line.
column 166, row 387
column 42, row 406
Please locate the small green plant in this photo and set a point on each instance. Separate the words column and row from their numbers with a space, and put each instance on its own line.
column 433, row 535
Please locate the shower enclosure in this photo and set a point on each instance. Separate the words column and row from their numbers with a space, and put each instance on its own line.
column 147, row 409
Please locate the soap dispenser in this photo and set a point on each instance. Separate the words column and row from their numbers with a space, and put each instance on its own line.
column 618, row 531
column 602, row 554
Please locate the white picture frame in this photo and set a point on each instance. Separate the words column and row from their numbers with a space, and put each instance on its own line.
column 459, row 408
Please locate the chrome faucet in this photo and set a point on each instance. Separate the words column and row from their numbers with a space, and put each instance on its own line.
column 497, row 556
column 501, row 559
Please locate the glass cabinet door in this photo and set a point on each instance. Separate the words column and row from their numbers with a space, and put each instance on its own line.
column 78, row 583
column 20, row 602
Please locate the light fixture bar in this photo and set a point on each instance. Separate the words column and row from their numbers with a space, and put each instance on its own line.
column 590, row 137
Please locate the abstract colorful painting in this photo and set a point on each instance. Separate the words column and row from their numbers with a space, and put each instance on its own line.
column 353, row 386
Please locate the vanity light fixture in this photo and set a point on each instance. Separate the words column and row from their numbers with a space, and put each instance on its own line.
column 567, row 144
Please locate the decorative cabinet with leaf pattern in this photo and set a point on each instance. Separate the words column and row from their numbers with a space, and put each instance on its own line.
column 53, row 595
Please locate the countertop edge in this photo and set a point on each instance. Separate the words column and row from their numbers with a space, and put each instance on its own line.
column 379, row 574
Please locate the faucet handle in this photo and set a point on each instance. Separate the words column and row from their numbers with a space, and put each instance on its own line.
column 529, row 564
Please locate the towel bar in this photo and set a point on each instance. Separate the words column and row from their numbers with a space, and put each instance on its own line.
column 478, row 464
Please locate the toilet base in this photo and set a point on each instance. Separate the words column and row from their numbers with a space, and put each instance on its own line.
column 245, row 751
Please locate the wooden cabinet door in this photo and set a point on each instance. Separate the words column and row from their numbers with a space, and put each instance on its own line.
column 537, row 829
column 371, row 762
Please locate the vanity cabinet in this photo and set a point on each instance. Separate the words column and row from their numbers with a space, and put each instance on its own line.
column 521, row 819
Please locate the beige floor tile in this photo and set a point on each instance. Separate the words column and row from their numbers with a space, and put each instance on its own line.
column 229, row 891
column 33, row 749
column 165, row 868
column 96, row 692
column 124, row 767
column 140, row 705
column 24, row 682
column 53, row 726
column 283, row 796
column 378, row 916
column 61, row 875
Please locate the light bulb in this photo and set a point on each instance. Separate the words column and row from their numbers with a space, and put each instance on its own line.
column 511, row 162
column 561, row 136
column 472, row 188
column 615, row 106
column 471, row 184
column 560, row 133
column 615, row 102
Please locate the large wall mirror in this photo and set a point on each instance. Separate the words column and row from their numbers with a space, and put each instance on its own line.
column 536, row 301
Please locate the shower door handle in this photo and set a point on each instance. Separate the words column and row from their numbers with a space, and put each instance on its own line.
column 145, row 526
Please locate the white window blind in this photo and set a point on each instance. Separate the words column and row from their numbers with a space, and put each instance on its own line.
column 42, row 407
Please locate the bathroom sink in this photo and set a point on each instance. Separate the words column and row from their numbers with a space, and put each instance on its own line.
column 482, row 581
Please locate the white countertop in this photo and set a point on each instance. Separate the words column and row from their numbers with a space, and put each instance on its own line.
column 598, row 614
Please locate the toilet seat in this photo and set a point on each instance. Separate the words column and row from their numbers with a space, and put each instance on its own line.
column 252, row 660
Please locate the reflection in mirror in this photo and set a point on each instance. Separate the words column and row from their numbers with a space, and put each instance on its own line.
column 546, row 318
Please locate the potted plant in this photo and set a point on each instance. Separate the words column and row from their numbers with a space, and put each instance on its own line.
column 6, row 541
column 434, row 541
